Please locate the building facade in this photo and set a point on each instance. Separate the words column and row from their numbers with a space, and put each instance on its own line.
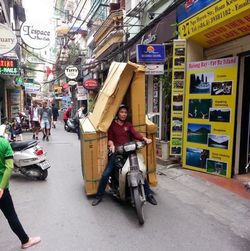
column 216, row 126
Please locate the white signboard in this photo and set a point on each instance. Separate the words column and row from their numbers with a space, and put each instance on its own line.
column 32, row 88
column 72, row 82
column 154, row 69
column 37, row 36
column 8, row 39
column 82, row 93
column 71, row 72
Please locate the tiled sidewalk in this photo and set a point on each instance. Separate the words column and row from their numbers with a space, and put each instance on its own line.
column 235, row 185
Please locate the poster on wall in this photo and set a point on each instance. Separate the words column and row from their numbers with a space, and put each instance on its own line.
column 178, row 82
column 210, row 98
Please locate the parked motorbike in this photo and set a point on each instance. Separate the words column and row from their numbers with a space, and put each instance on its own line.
column 72, row 125
column 127, row 180
column 30, row 159
column 23, row 120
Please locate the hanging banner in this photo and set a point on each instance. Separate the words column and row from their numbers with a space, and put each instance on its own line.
column 210, row 98
column 178, row 82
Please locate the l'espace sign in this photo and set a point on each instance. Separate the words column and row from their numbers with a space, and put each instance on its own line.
column 8, row 66
column 36, row 36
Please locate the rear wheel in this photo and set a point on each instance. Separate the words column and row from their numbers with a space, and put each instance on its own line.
column 139, row 203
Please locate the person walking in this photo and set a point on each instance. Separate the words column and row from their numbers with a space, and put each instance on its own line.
column 67, row 114
column 6, row 203
column 34, row 118
column 45, row 116
column 55, row 115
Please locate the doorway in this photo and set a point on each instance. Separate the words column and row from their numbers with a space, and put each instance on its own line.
column 244, row 153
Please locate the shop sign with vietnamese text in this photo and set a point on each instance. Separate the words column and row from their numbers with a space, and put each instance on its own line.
column 8, row 39
column 151, row 53
column 221, row 22
column 9, row 66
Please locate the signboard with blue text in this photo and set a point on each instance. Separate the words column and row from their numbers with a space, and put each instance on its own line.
column 191, row 7
column 151, row 53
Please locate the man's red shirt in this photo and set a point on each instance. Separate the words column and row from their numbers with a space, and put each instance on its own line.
column 121, row 134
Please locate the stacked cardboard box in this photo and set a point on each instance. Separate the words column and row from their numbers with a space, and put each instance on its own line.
column 151, row 152
column 124, row 79
column 93, row 154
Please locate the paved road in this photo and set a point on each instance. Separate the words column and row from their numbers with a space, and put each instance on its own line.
column 192, row 214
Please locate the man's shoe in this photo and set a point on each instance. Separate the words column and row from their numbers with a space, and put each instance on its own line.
column 36, row 138
column 33, row 136
column 32, row 241
column 44, row 136
column 151, row 199
column 96, row 201
column 47, row 138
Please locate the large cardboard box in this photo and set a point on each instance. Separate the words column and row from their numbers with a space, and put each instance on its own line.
column 111, row 95
column 94, row 154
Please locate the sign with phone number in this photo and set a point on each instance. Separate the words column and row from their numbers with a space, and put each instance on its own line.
column 219, row 13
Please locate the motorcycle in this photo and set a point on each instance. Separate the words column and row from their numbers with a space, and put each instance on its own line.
column 127, row 180
column 71, row 125
column 30, row 159
column 23, row 120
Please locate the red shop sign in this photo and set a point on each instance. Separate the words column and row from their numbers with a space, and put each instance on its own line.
column 90, row 84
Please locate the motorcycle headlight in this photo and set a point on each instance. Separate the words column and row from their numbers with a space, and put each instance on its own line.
column 130, row 147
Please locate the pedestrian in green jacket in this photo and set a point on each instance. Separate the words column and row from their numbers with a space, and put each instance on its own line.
column 6, row 203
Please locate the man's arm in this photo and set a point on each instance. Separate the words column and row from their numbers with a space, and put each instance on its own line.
column 111, row 144
column 139, row 136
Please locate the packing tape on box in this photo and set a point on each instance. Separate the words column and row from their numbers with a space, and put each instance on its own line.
column 88, row 140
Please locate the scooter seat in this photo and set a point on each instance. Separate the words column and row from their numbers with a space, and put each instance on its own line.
column 19, row 146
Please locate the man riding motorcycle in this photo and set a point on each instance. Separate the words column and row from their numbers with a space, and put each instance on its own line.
column 118, row 134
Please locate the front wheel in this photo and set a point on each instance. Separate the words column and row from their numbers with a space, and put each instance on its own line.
column 66, row 127
column 139, row 203
column 43, row 174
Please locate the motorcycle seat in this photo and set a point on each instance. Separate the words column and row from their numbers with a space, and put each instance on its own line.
column 18, row 146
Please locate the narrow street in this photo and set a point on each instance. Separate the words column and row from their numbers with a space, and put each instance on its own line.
column 191, row 214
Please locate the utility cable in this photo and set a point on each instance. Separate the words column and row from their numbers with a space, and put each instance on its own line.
column 41, row 59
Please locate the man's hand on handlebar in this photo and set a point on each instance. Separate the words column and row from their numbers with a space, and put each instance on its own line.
column 147, row 141
column 111, row 146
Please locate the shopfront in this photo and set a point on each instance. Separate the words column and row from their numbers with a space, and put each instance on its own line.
column 160, row 34
column 11, row 94
column 216, row 120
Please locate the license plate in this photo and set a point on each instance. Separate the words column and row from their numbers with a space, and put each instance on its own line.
column 44, row 165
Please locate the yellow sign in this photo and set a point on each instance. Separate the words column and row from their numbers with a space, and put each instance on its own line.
column 178, row 82
column 221, row 22
column 210, row 98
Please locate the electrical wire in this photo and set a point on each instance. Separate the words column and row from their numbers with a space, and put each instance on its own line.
column 41, row 59
column 124, row 46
